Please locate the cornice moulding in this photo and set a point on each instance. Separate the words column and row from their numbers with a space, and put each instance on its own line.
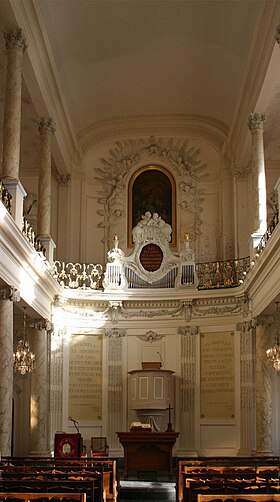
column 262, row 282
column 49, row 94
column 210, row 130
column 256, row 68
column 20, row 263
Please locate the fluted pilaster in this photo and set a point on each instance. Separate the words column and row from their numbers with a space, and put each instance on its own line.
column 187, row 391
column 15, row 45
column 39, row 412
column 115, row 385
column 56, row 381
column 247, row 389
column 46, row 129
column 263, row 393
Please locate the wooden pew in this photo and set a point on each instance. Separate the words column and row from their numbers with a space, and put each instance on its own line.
column 240, row 497
column 51, row 497
column 221, row 466
column 105, row 470
column 20, row 485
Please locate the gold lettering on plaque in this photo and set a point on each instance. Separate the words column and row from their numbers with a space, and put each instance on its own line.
column 217, row 382
column 85, row 377
column 151, row 257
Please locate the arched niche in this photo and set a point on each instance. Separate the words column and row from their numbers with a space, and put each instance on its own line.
column 152, row 188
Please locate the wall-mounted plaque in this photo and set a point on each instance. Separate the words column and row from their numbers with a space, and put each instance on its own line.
column 217, row 381
column 151, row 257
column 85, row 377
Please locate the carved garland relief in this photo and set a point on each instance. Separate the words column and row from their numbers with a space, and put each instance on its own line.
column 179, row 160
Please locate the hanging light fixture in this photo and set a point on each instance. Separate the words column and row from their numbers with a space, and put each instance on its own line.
column 273, row 353
column 24, row 359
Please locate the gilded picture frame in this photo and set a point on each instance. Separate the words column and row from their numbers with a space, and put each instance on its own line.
column 152, row 188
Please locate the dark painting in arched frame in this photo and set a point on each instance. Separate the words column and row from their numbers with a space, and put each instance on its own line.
column 152, row 188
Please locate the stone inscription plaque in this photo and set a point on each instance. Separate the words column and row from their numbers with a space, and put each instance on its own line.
column 85, row 377
column 151, row 257
column 217, row 382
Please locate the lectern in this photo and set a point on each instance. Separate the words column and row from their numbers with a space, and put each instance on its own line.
column 68, row 445
column 147, row 451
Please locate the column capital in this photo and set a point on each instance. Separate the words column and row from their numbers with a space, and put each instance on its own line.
column 46, row 125
column 42, row 325
column 115, row 333
column 63, row 179
column 188, row 330
column 277, row 34
column 256, row 121
column 15, row 39
column 246, row 326
column 9, row 293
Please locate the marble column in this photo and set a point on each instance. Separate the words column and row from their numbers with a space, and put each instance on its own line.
column 40, row 391
column 247, row 388
column 7, row 295
column 186, row 402
column 46, row 128
column 256, row 125
column 115, row 386
column 15, row 45
column 263, row 392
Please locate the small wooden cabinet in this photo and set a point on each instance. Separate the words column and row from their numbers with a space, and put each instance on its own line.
column 147, row 451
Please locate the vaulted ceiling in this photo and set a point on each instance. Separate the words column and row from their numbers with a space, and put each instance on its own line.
column 94, row 62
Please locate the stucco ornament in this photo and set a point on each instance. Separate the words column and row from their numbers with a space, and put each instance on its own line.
column 150, row 336
column 115, row 171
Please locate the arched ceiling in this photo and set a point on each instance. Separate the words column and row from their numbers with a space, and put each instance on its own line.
column 118, row 58
column 91, row 63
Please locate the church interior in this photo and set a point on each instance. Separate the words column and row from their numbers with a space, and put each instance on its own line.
column 139, row 229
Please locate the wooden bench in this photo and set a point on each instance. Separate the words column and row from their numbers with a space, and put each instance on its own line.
column 258, row 468
column 103, row 470
column 69, row 487
column 52, row 497
column 240, row 497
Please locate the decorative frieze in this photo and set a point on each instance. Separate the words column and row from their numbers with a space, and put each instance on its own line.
column 186, row 310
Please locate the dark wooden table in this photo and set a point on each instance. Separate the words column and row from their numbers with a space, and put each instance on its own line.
column 147, row 451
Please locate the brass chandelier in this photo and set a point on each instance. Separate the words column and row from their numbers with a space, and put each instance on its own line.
column 24, row 359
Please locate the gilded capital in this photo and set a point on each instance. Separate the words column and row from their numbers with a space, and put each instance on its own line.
column 15, row 40
column 46, row 125
column 256, row 121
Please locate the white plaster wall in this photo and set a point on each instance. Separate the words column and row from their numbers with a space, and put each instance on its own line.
column 208, row 245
